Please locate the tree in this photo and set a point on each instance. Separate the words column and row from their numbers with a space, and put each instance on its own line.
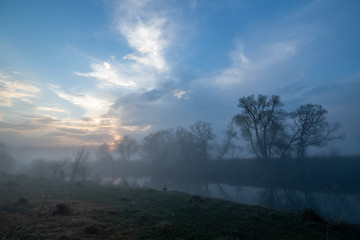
column 79, row 168
column 185, row 146
column 126, row 147
column 158, row 147
column 262, row 123
column 41, row 168
column 228, row 144
column 57, row 168
column 311, row 128
column 203, row 132
column 103, row 155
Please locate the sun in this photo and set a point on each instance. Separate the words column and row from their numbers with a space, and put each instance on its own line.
column 112, row 145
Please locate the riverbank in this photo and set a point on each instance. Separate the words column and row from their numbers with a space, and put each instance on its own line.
column 42, row 209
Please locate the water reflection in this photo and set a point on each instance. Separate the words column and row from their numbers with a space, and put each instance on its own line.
column 329, row 203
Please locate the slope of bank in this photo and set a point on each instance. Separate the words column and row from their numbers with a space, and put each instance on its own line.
column 42, row 209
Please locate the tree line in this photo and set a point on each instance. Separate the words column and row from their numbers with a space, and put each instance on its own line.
column 269, row 131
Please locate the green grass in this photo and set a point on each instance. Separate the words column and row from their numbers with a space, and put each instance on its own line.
column 106, row 212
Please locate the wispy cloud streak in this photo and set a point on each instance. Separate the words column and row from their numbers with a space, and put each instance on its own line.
column 146, row 30
column 93, row 106
column 11, row 89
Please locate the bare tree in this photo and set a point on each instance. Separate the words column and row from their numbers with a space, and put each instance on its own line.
column 158, row 147
column 203, row 132
column 228, row 144
column 79, row 168
column 261, row 123
column 185, row 145
column 57, row 168
column 126, row 147
column 103, row 155
column 311, row 128
column 40, row 167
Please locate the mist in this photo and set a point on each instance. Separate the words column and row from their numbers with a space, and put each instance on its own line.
column 189, row 119
column 265, row 156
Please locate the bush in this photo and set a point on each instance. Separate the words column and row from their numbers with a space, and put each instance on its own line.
column 62, row 209
column 309, row 215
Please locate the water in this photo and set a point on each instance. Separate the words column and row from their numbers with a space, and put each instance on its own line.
column 329, row 204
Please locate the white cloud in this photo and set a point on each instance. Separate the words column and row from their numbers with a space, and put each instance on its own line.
column 147, row 30
column 109, row 75
column 93, row 106
column 51, row 109
column 245, row 70
column 127, row 76
column 182, row 94
column 147, row 38
column 11, row 89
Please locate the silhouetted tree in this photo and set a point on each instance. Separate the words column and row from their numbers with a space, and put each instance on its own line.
column 261, row 122
column 79, row 168
column 126, row 147
column 228, row 144
column 103, row 155
column 41, row 168
column 185, row 145
column 204, row 135
column 57, row 168
column 311, row 128
column 158, row 147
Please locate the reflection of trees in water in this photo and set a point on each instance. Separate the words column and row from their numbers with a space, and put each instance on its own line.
column 223, row 192
column 286, row 199
column 330, row 203
column 338, row 207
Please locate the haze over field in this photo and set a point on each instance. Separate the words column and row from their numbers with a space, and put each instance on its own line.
column 89, row 72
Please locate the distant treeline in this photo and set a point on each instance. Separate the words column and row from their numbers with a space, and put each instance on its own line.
column 278, row 140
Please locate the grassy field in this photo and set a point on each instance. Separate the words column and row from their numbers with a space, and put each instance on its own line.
column 42, row 209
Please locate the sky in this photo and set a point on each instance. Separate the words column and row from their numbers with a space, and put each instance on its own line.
column 90, row 71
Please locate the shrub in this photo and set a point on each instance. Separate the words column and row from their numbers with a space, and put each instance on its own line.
column 62, row 209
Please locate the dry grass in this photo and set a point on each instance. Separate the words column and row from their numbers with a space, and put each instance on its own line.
column 68, row 211
column 72, row 220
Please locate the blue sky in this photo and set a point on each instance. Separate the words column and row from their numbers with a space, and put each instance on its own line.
column 90, row 71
